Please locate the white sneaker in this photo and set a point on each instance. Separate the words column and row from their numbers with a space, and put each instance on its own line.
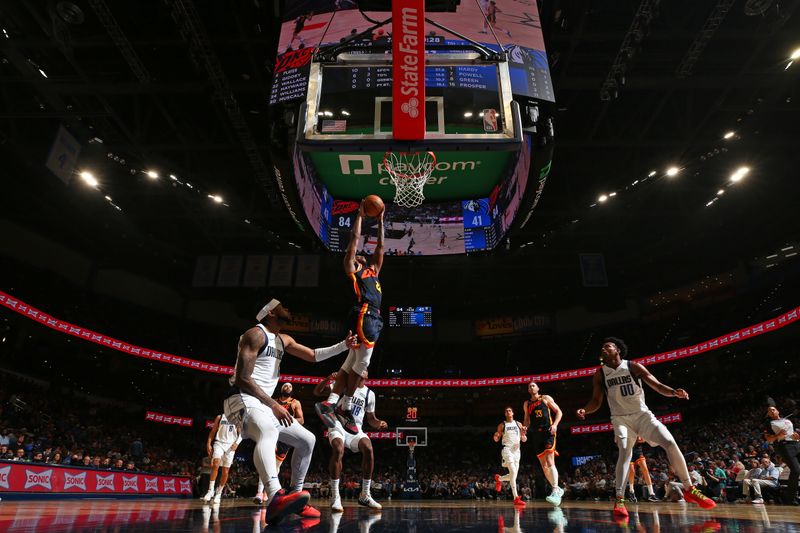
column 217, row 498
column 555, row 496
column 367, row 501
column 336, row 505
column 757, row 501
column 208, row 496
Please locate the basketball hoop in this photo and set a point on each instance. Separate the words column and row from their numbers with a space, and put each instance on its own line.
column 409, row 171
column 411, row 446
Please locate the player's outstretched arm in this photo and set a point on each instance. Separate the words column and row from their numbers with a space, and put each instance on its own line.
column 527, row 417
column 523, row 432
column 597, row 395
column 665, row 390
column 249, row 345
column 377, row 256
column 315, row 355
column 352, row 247
column 374, row 422
column 324, row 387
column 554, row 408
column 212, row 434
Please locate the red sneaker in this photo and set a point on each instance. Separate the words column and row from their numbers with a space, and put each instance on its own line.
column 619, row 508
column 309, row 512
column 498, row 485
column 518, row 502
column 283, row 504
column 694, row 495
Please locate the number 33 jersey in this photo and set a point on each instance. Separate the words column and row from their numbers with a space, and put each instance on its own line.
column 624, row 391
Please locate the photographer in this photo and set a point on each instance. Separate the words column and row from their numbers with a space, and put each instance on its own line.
column 781, row 433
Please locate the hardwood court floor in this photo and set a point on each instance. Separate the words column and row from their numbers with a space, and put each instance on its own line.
column 404, row 516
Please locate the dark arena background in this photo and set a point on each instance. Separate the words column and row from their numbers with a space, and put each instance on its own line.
column 584, row 169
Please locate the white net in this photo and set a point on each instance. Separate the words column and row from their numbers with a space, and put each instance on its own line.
column 408, row 172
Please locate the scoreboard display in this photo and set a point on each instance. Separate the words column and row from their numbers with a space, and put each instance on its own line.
column 410, row 317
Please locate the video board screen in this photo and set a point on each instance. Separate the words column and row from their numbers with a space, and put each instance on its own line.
column 310, row 23
column 410, row 317
column 433, row 228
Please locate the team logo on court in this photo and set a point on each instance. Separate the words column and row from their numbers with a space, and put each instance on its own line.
column 130, row 483
column 151, row 484
column 4, row 477
column 169, row 485
column 105, row 482
column 38, row 479
column 75, row 481
column 411, row 108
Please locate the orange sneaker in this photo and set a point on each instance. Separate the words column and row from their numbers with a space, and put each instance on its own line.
column 694, row 495
column 498, row 485
column 309, row 512
column 619, row 508
column 518, row 502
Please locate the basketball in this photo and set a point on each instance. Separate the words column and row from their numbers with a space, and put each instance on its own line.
column 373, row 205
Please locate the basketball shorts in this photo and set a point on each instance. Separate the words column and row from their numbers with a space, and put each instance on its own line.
column 281, row 450
column 638, row 454
column 644, row 424
column 543, row 442
column 510, row 457
column 366, row 323
column 350, row 441
column 223, row 452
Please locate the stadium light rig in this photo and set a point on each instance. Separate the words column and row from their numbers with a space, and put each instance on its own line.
column 89, row 179
column 152, row 174
column 673, row 171
column 729, row 135
column 740, row 173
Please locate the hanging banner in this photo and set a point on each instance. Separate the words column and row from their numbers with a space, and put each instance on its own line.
column 161, row 418
column 408, row 70
column 748, row 332
column 600, row 428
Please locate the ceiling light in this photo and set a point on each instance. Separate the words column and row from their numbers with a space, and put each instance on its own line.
column 720, row 192
column 729, row 135
column 739, row 174
column 787, row 248
column 108, row 198
column 328, row 113
column 468, row 114
column 42, row 73
column 602, row 198
column 89, row 178
column 189, row 185
column 795, row 54
column 613, row 194
column 791, row 254
column 345, row 113
column 217, row 198
column 174, row 178
column 709, row 203
column 635, row 182
column 651, row 174
column 673, row 171
column 152, row 174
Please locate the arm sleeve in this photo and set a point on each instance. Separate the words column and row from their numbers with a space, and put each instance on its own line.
column 320, row 354
column 370, row 408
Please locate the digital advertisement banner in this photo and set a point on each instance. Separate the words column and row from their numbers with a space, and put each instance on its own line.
column 28, row 477
column 600, row 428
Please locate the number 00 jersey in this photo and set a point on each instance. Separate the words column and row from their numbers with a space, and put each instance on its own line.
column 624, row 391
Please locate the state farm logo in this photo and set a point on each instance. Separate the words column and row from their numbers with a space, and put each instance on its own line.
column 4, row 477
column 169, row 485
column 75, row 481
column 411, row 108
column 186, row 485
column 151, row 484
column 38, row 479
column 408, row 48
column 104, row 482
column 130, row 483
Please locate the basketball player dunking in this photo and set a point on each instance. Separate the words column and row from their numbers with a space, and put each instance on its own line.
column 250, row 405
column 366, row 321
column 292, row 405
column 542, row 416
column 621, row 382
column 511, row 432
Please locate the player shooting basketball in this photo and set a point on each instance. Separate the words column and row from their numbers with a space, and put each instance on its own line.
column 366, row 319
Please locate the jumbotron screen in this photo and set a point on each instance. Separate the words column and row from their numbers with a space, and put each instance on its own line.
column 433, row 228
column 410, row 316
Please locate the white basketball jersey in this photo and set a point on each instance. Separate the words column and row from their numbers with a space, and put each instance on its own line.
column 267, row 370
column 511, row 435
column 226, row 432
column 624, row 392
column 363, row 402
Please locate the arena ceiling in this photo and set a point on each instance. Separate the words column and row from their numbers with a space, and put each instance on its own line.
column 181, row 87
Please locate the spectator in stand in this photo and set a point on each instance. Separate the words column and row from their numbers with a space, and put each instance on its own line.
column 5, row 439
column 20, row 455
column 130, row 466
column 715, row 480
column 5, row 453
column 105, row 464
column 38, row 457
column 55, row 459
column 87, row 461
column 767, row 476
column 96, row 462
column 119, row 464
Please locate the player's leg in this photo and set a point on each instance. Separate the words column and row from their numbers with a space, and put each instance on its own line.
column 548, row 461
column 631, row 479
column 648, row 481
column 325, row 410
column 223, row 478
column 364, row 445
column 302, row 440
column 625, row 442
column 216, row 458
column 657, row 433
column 260, row 496
column 336, row 438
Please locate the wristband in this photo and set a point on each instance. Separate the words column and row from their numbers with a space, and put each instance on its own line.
column 320, row 354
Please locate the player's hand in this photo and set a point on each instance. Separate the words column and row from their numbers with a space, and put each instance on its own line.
column 553, row 429
column 382, row 424
column 682, row 394
column 351, row 341
column 523, row 430
column 282, row 415
column 581, row 413
column 332, row 376
column 209, row 449
column 496, row 437
column 233, row 447
column 796, row 435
